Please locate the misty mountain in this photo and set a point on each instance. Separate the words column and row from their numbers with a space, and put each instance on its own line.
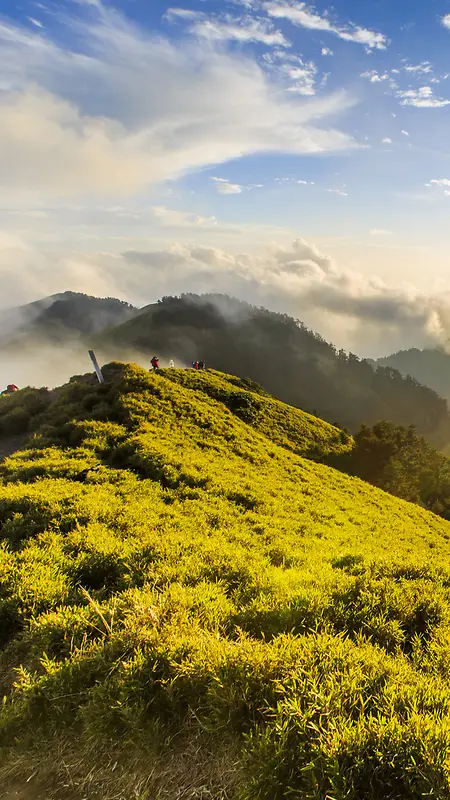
column 61, row 317
column 430, row 367
column 286, row 358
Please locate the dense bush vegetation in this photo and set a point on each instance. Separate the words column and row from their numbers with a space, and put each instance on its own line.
column 398, row 460
column 21, row 410
column 190, row 608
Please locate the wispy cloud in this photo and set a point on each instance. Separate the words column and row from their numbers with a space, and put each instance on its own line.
column 441, row 183
column 298, row 181
column 171, row 218
column 121, row 109
column 386, row 140
column 173, row 14
column 297, row 278
column 337, row 191
column 445, row 20
column 223, row 186
column 425, row 68
column 374, row 77
column 380, row 232
column 326, row 51
column 35, row 22
column 251, row 31
column 306, row 16
column 224, row 27
column 421, row 98
column 300, row 76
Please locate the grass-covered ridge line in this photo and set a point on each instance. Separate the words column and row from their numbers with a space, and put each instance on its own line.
column 184, row 596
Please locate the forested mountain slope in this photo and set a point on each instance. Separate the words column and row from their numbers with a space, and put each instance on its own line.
column 430, row 366
column 61, row 317
column 290, row 361
column 189, row 608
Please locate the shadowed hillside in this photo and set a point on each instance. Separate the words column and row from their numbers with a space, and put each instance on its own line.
column 60, row 317
column 431, row 367
column 190, row 608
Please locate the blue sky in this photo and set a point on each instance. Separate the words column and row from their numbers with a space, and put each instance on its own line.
column 296, row 155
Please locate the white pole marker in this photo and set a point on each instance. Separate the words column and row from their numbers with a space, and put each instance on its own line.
column 96, row 367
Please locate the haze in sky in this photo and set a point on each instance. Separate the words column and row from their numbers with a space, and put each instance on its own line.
column 294, row 155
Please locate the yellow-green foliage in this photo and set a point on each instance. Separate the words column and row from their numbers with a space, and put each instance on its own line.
column 172, row 567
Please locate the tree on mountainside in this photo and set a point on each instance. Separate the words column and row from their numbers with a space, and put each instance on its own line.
column 430, row 366
column 397, row 460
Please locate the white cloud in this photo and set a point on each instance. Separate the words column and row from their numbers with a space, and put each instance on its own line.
column 425, row 68
column 173, row 14
column 250, row 30
column 405, row 133
column 380, row 232
column 297, row 278
column 386, row 140
column 326, row 51
column 305, row 16
column 441, row 182
column 35, row 22
column 300, row 76
column 446, row 21
column 294, row 180
column 225, row 187
column 421, row 98
column 374, row 77
column 301, row 280
column 30, row 273
column 123, row 110
column 172, row 218
column 224, row 27
column 337, row 191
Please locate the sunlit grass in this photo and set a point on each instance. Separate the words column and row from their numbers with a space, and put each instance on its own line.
column 176, row 578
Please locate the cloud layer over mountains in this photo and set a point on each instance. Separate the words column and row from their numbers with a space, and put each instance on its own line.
column 354, row 311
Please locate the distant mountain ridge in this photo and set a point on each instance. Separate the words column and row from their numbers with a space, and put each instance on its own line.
column 286, row 358
column 430, row 366
column 291, row 362
column 66, row 314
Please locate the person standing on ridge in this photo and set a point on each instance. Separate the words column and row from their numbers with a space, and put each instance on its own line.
column 201, row 365
column 195, row 364
column 155, row 362
column 171, row 364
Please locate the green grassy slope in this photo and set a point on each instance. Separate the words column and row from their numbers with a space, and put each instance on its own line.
column 188, row 608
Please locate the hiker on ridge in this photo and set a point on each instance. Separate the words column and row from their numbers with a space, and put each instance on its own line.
column 11, row 388
column 171, row 364
column 155, row 362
